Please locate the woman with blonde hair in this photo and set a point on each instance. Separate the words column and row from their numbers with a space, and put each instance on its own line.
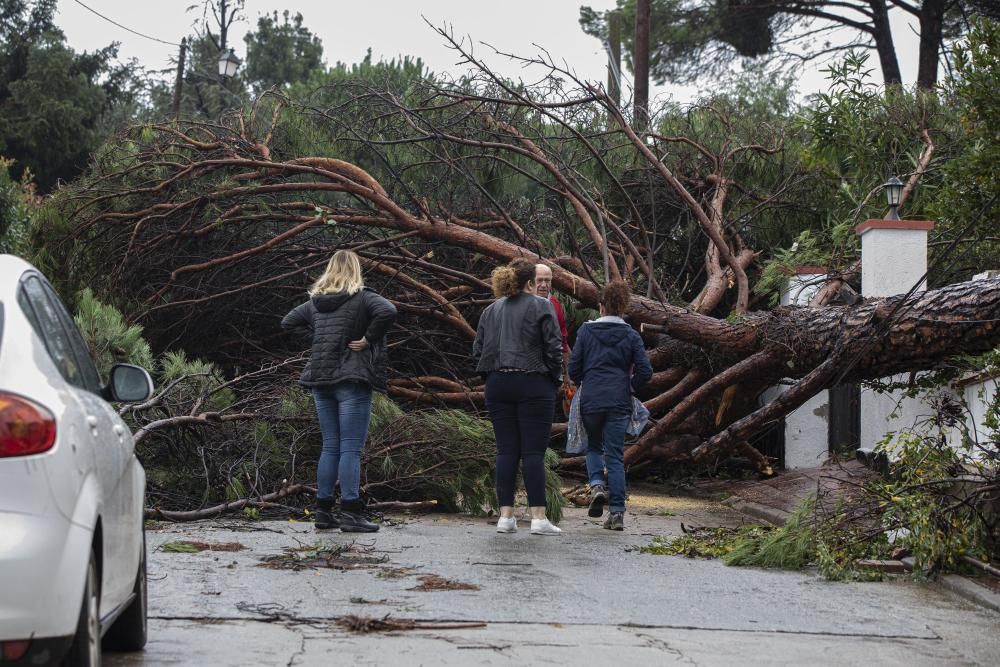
column 346, row 323
column 519, row 348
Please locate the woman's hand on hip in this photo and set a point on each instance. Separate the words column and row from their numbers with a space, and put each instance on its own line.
column 358, row 345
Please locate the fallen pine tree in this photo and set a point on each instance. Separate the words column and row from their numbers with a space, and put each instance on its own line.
column 214, row 229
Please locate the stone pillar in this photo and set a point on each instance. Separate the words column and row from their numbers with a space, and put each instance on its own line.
column 807, row 427
column 893, row 260
column 893, row 255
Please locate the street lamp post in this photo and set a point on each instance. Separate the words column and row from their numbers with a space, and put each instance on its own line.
column 893, row 192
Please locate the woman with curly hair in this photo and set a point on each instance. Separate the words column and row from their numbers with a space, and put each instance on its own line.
column 519, row 350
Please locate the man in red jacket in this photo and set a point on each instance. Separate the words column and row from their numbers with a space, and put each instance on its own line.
column 543, row 288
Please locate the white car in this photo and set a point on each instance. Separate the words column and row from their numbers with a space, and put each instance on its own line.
column 72, row 551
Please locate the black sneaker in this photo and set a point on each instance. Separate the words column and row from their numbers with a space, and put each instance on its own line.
column 352, row 519
column 615, row 521
column 598, row 498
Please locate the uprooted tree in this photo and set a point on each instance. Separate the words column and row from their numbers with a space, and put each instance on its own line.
column 213, row 231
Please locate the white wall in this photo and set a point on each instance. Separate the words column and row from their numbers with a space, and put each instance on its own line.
column 800, row 288
column 893, row 260
column 807, row 428
column 977, row 397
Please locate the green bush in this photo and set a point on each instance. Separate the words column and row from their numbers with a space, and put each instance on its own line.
column 15, row 220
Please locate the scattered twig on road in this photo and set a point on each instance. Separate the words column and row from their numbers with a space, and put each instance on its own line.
column 209, row 512
column 387, row 624
column 189, row 546
column 433, row 582
column 268, row 499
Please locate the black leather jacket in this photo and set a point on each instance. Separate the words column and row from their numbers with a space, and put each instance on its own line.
column 334, row 320
column 519, row 332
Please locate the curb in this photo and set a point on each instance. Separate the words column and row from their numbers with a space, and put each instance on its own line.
column 756, row 510
column 970, row 591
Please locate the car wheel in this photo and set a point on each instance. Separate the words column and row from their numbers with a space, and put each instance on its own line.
column 128, row 633
column 85, row 651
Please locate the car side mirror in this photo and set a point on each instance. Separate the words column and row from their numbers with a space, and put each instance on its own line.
column 128, row 384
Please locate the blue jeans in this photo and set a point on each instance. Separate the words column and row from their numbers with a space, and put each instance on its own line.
column 606, row 444
column 344, row 411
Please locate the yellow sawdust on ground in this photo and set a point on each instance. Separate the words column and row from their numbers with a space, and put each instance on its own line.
column 647, row 499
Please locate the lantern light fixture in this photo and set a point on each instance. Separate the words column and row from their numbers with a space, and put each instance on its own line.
column 229, row 64
column 893, row 193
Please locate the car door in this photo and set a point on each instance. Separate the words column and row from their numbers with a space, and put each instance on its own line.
column 68, row 471
column 112, row 447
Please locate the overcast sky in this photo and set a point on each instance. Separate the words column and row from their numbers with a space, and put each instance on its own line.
column 395, row 27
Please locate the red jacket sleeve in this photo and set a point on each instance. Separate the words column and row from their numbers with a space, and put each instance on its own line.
column 562, row 322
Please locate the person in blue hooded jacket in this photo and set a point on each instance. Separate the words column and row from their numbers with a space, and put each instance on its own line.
column 608, row 363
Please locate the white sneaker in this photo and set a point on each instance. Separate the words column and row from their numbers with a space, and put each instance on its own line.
column 544, row 527
column 507, row 525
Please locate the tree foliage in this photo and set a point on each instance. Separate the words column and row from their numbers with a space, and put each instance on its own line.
column 281, row 53
column 110, row 338
column 969, row 197
column 434, row 183
column 701, row 39
column 15, row 212
column 55, row 104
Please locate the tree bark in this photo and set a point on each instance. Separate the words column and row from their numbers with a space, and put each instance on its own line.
column 615, row 56
column 931, row 29
column 640, row 64
column 884, row 46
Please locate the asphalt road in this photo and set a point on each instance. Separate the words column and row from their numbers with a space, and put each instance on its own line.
column 585, row 597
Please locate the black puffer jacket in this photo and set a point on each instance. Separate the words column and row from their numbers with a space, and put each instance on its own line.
column 334, row 320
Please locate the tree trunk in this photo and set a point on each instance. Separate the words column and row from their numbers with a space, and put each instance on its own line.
column 931, row 27
column 615, row 56
column 884, row 43
column 640, row 64
column 887, row 336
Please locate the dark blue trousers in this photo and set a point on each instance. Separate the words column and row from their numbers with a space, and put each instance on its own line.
column 521, row 406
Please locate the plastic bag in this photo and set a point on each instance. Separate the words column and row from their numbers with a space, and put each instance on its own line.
column 576, row 434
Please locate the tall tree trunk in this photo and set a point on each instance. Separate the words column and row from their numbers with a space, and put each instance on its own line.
column 640, row 64
column 931, row 27
column 179, row 83
column 615, row 56
column 223, row 25
column 884, row 45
